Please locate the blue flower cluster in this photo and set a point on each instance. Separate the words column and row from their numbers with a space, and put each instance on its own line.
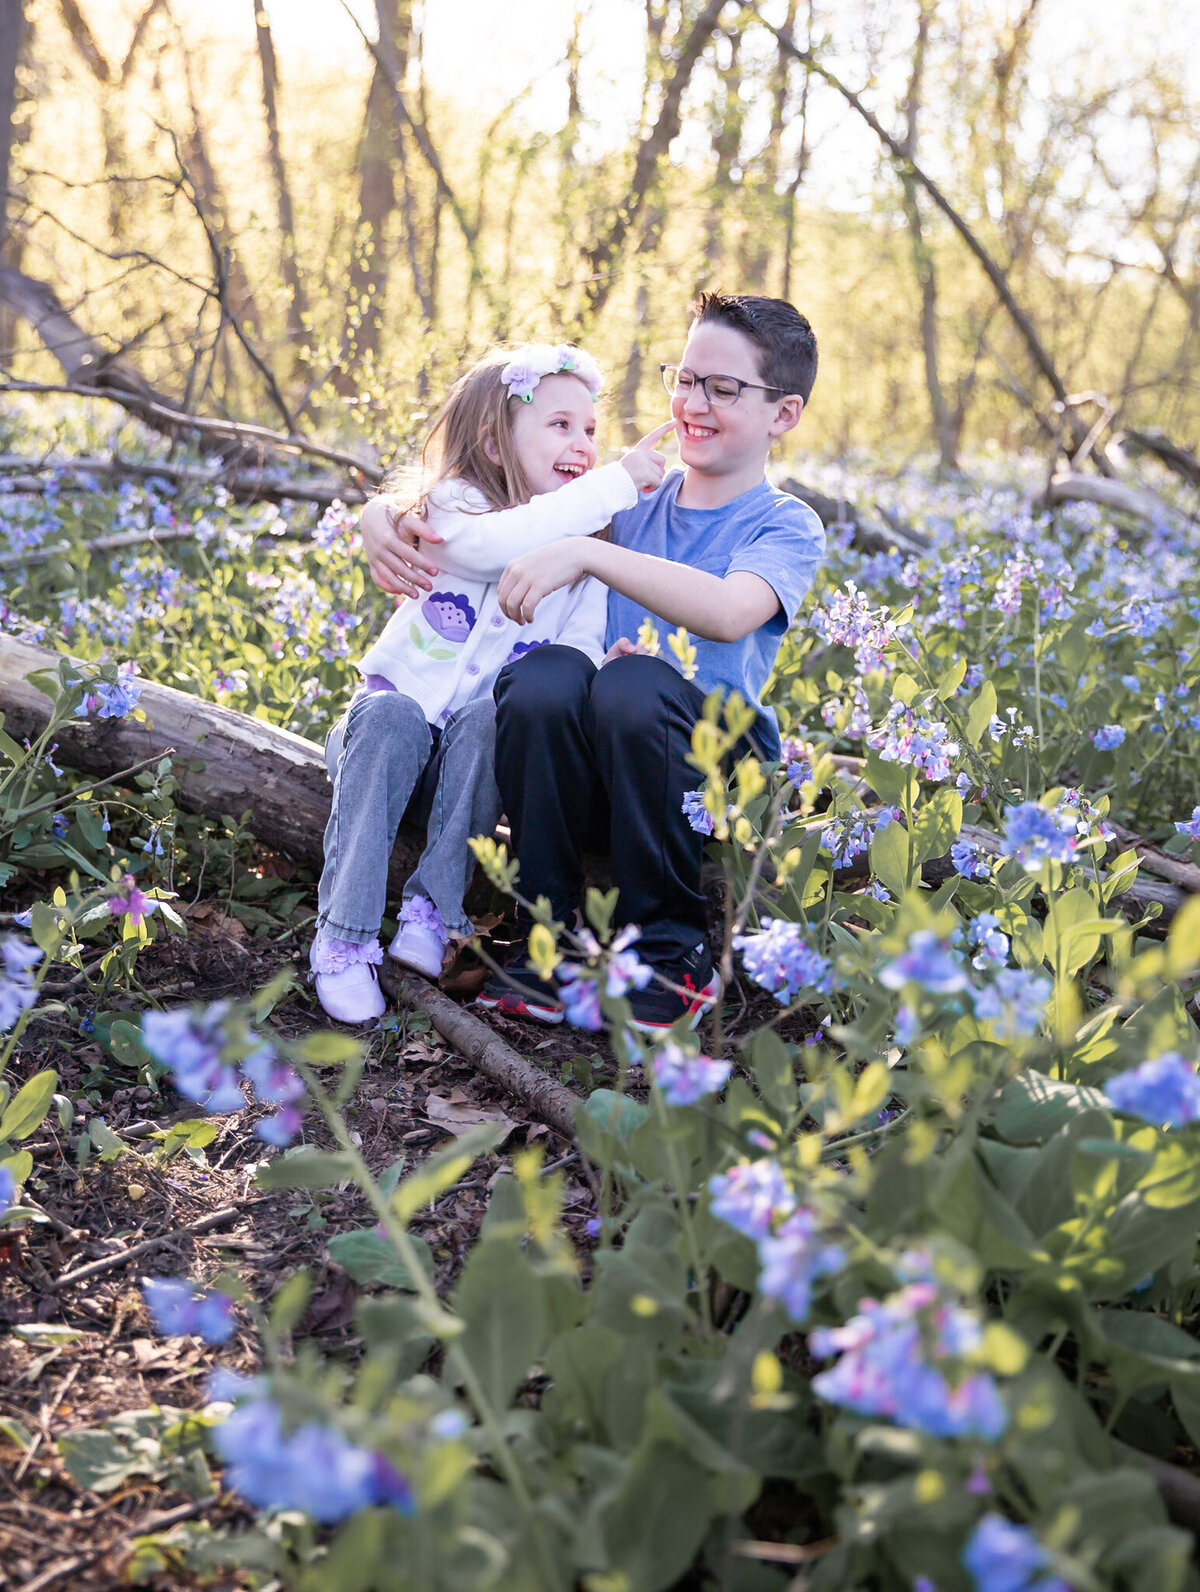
column 849, row 620
column 314, row 1469
column 17, row 993
column 1165, row 1091
column 988, row 941
column 779, row 959
column 686, row 1079
column 8, row 1190
column 902, row 1359
column 1002, row 1557
column 1032, row 836
column 1108, row 737
column 968, row 861
column 696, row 813
column 180, row 1308
column 1014, row 1000
column 190, row 1041
column 103, row 699
column 906, row 737
column 927, row 961
column 754, row 1198
column 1190, row 826
column 847, row 838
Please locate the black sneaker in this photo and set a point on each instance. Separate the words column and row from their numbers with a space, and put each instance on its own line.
column 535, row 998
column 656, row 1009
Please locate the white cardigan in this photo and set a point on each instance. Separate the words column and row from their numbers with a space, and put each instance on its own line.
column 446, row 650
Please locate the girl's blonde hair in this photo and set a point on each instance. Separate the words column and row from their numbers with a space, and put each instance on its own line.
column 477, row 411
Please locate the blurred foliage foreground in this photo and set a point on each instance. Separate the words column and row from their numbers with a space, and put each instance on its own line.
column 883, row 1295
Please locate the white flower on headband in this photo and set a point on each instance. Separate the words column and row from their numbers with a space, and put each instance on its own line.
column 529, row 364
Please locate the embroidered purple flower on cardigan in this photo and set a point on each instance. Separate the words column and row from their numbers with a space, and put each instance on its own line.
column 450, row 614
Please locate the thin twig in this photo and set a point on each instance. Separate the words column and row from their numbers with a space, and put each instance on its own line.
column 94, row 1268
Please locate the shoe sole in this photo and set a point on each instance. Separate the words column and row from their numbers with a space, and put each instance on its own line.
column 415, row 967
column 703, row 1003
column 515, row 1005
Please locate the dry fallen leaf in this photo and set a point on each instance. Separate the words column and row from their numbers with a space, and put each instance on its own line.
column 456, row 1113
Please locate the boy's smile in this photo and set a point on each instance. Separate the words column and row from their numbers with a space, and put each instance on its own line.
column 725, row 448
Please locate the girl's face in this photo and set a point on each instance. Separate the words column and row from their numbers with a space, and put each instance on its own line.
column 554, row 434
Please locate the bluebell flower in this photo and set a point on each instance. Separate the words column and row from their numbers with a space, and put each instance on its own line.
column 927, row 961
column 17, row 992
column 314, row 1469
column 696, row 813
column 189, row 1042
column 991, row 944
column 179, row 1309
column 900, row 1360
column 779, row 958
column 1033, row 836
column 685, row 1079
column 1191, row 826
column 447, row 1425
column 580, row 997
column 751, row 1196
column 1107, row 737
column 623, row 971
column 1015, row 1000
column 792, row 1258
column 8, row 1189
column 1002, row 1557
column 1165, row 1091
column 907, row 1026
column 968, row 861
column 923, row 743
column 1130, row 682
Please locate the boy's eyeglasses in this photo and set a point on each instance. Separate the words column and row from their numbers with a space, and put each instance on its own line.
column 721, row 391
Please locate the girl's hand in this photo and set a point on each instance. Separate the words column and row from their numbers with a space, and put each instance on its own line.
column 535, row 575
column 622, row 647
column 644, row 464
column 391, row 541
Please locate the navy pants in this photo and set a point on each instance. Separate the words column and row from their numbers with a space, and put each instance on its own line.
column 596, row 759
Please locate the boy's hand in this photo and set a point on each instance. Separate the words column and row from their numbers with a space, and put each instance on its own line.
column 535, row 575
column 391, row 541
column 644, row 464
column 622, row 647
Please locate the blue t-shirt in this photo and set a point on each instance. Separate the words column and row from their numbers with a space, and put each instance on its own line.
column 764, row 532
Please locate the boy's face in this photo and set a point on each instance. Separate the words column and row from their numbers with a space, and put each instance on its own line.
column 727, row 440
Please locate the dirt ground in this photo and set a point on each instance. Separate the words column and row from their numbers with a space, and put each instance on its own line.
column 74, row 1353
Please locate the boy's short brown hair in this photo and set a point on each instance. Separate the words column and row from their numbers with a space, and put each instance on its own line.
column 786, row 343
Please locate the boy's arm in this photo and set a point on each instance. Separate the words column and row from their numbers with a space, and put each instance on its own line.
column 715, row 607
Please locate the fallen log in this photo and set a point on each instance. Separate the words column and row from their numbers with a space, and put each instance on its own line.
column 1138, row 502
column 1175, row 458
column 880, row 535
column 226, row 762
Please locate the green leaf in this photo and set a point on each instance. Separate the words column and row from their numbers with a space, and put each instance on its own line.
column 656, row 1520
column 44, row 928
column 125, row 1045
column 28, row 1107
column 501, row 1300
column 306, row 1169
column 615, row 1113
column 328, row 1049
column 1031, row 1108
column 936, row 826
column 104, row 1141
column 773, row 1071
column 367, row 1256
column 889, row 858
column 952, row 679
column 979, row 715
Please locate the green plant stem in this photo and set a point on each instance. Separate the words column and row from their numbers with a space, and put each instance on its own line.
column 680, row 1196
column 398, row 1237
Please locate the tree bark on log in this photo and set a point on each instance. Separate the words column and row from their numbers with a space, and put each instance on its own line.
column 876, row 535
column 226, row 762
column 1141, row 503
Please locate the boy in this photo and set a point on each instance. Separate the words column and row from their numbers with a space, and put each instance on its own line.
column 586, row 755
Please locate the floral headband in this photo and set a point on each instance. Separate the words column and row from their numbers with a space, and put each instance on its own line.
column 535, row 360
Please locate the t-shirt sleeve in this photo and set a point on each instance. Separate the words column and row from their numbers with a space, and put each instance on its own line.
column 785, row 552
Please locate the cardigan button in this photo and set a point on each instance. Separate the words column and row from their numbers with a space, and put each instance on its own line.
column 472, row 668
column 497, row 621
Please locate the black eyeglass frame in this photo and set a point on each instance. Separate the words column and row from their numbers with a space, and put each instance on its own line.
column 703, row 381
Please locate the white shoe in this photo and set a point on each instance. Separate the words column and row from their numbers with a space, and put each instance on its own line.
column 420, row 948
column 352, row 996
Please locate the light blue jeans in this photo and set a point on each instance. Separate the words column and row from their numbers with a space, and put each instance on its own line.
column 386, row 763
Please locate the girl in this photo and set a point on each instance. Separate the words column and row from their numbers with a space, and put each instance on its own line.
column 509, row 463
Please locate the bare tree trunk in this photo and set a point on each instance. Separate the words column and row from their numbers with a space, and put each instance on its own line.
column 377, row 202
column 631, row 379
column 945, row 431
column 602, row 255
column 297, row 301
column 726, row 141
column 12, row 37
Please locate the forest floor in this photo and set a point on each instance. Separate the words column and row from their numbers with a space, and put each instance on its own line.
column 74, row 1355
